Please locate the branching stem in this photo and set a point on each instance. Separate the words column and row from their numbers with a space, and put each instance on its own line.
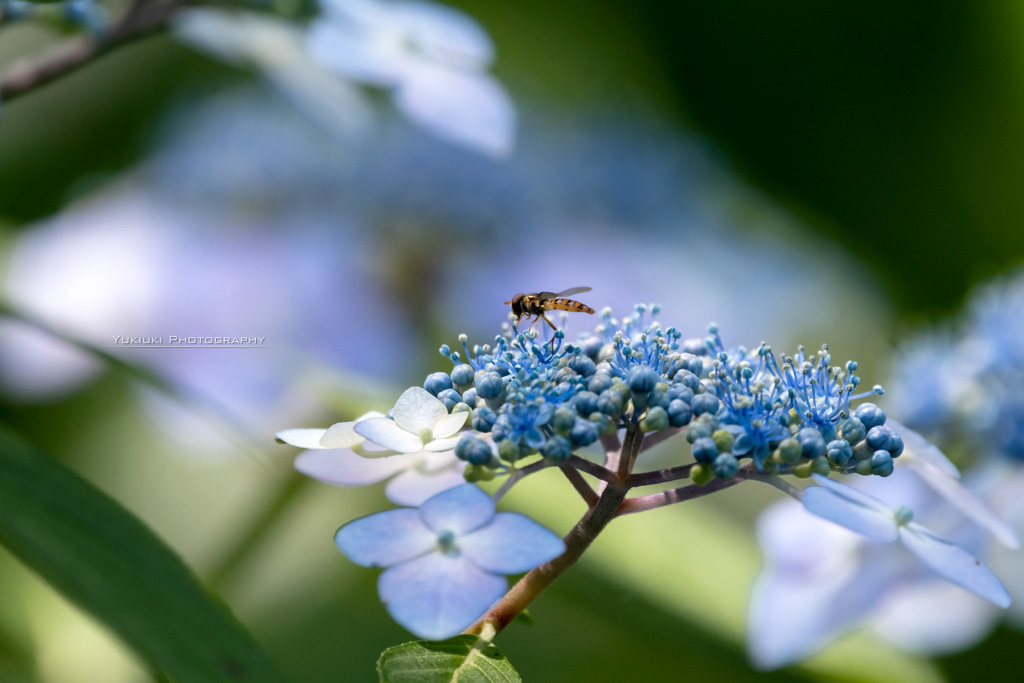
column 142, row 19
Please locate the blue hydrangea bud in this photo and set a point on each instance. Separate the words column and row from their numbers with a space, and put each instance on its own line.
column 557, row 449
column 853, row 430
column 462, row 375
column 679, row 413
column 600, row 382
column 811, row 441
column 642, row 379
column 583, row 433
column 697, row 430
column 726, row 466
column 483, row 419
column 656, row 419
column 436, row 382
column 488, row 384
column 469, row 397
column 582, row 365
column 705, row 404
column 878, row 438
column 863, row 467
column 839, row 452
column 473, row 450
column 870, row 414
column 585, row 402
column 895, row 445
column 688, row 380
column 681, row 392
column 692, row 364
column 659, row 397
column 563, row 419
column 881, row 463
column 450, row 397
column 705, row 450
column 610, row 403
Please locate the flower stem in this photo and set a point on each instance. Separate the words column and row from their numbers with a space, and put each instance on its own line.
column 576, row 542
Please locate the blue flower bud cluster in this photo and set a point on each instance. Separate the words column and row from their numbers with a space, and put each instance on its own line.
column 790, row 417
column 553, row 398
column 962, row 383
column 792, row 414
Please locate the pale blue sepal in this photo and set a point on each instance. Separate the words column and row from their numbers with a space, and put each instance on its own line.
column 386, row 538
column 437, row 596
column 510, row 544
column 954, row 564
column 850, row 508
column 459, row 510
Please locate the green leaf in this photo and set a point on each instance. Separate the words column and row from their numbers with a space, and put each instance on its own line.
column 466, row 659
column 105, row 560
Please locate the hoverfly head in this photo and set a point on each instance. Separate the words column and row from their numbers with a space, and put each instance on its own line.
column 517, row 305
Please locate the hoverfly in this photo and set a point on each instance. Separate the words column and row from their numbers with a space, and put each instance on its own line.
column 539, row 303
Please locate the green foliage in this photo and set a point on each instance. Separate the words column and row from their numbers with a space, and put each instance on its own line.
column 465, row 659
column 104, row 559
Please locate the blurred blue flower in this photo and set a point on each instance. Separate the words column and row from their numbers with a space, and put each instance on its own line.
column 445, row 561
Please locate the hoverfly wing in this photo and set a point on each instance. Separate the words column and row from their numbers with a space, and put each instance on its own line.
column 567, row 292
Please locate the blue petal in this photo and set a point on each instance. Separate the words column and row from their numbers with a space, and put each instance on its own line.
column 510, row 544
column 954, row 564
column 850, row 508
column 386, row 538
column 458, row 510
column 438, row 595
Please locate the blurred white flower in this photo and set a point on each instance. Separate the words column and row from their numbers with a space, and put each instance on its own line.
column 433, row 58
column 277, row 48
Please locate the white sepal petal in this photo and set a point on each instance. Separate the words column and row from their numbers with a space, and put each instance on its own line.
column 384, row 432
column 342, row 467
column 303, row 438
column 417, row 409
column 465, row 107
column 449, row 424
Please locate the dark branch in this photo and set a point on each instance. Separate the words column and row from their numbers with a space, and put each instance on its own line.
column 143, row 18
column 659, row 476
column 581, row 485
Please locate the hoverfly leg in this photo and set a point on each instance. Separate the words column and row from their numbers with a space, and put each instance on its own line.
column 549, row 322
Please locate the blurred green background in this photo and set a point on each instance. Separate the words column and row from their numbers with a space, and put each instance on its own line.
column 888, row 136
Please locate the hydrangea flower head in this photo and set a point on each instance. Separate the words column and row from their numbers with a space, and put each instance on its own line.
column 445, row 562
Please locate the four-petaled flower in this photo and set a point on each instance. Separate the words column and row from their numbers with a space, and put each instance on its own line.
column 873, row 519
column 446, row 561
column 349, row 453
